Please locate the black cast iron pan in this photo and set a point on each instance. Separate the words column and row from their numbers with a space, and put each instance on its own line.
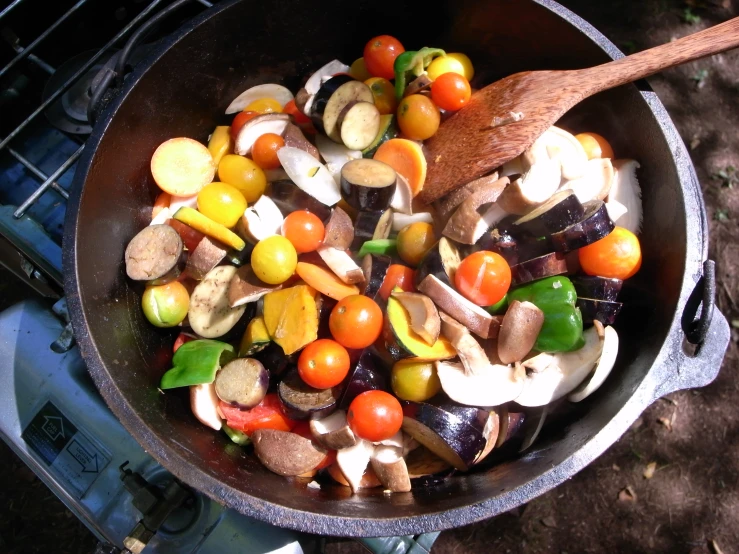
column 183, row 88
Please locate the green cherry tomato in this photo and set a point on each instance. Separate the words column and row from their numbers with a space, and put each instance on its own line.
column 415, row 381
column 222, row 203
column 274, row 260
column 166, row 305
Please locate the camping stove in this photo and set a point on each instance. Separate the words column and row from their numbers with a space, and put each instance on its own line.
column 51, row 414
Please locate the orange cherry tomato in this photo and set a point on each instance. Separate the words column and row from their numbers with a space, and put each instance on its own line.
column 595, row 145
column 264, row 151
column 291, row 109
column 418, row 117
column 356, row 321
column 239, row 121
column 617, row 256
column 375, row 415
column 397, row 276
column 383, row 92
column 379, row 56
column 483, row 278
column 323, row 364
column 304, row 230
column 451, row 91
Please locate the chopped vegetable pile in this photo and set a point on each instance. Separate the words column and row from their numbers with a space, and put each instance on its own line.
column 346, row 332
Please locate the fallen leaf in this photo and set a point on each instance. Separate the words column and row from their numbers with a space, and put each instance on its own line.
column 666, row 422
column 627, row 495
column 650, row 469
column 715, row 547
column 549, row 521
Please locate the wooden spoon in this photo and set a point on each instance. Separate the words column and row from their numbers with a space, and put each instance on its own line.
column 505, row 118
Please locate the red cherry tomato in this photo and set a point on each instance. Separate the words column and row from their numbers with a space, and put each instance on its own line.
column 375, row 415
column 265, row 415
column 291, row 109
column 451, row 91
column 181, row 339
column 379, row 56
column 397, row 276
column 190, row 237
column 483, row 278
column 304, row 230
column 356, row 321
column 323, row 364
column 617, row 256
column 264, row 151
column 239, row 121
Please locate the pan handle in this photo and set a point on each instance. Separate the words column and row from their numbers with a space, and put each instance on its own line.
column 697, row 358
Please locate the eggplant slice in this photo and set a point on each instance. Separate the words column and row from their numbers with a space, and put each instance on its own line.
column 373, row 225
column 331, row 99
column 242, row 382
column 374, row 268
column 559, row 212
column 593, row 309
column 288, row 197
column 598, row 288
column 153, row 253
column 301, row 401
column 367, row 184
column 368, row 374
column 539, row 268
column 441, row 261
column 594, row 225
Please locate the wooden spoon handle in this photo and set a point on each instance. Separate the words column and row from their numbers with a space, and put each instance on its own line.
column 714, row 40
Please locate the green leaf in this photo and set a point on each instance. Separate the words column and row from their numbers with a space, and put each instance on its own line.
column 721, row 215
column 690, row 17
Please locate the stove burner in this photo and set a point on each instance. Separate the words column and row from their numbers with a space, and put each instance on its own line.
column 69, row 112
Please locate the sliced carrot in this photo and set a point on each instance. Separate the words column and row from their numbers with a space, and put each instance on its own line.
column 182, row 166
column 324, row 281
column 160, row 203
column 406, row 157
column 207, row 226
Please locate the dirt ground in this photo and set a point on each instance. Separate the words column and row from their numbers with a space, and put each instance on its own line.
column 691, row 502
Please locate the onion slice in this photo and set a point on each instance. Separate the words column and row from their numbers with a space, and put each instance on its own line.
column 309, row 175
column 268, row 90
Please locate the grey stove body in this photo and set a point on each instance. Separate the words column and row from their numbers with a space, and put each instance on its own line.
column 51, row 414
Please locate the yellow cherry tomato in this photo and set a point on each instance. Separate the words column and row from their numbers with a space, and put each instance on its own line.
column 595, row 145
column 359, row 71
column 221, row 202
column 243, row 174
column 264, row 105
column 414, row 241
column 166, row 305
column 418, row 117
column 274, row 260
column 384, row 93
column 457, row 63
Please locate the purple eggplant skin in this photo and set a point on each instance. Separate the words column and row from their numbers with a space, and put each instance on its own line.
column 559, row 212
column 475, row 417
column 435, row 262
column 374, row 267
column 327, row 304
column 445, row 430
column 515, row 250
column 432, row 480
column 289, row 198
column 322, row 97
column 508, row 449
column 275, row 361
column 597, row 288
column 242, row 383
column 595, row 225
column 365, row 226
column 300, row 401
column 539, row 268
column 368, row 373
column 601, row 310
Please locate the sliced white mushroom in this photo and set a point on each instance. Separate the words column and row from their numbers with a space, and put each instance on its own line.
column 595, row 183
column 402, row 201
column 540, row 178
column 513, row 167
column 273, row 175
column 471, row 354
column 263, row 219
column 626, row 191
column 267, row 90
column 425, row 321
column 258, row 126
column 401, row 220
column 333, row 432
column 564, row 372
column 309, row 175
column 162, row 217
column 353, row 461
column 533, row 430
column 390, row 468
column 602, row 369
column 468, row 222
column 567, row 150
column 341, row 264
column 397, row 440
column 493, row 386
column 335, row 155
column 615, row 210
column 314, row 82
column 204, row 405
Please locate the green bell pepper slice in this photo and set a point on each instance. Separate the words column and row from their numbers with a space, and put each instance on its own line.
column 196, row 362
column 387, row 247
column 499, row 307
column 412, row 64
column 556, row 297
column 239, row 437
